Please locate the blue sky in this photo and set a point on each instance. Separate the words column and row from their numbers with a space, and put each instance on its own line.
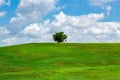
column 25, row 21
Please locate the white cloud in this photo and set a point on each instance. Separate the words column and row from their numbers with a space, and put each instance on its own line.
column 35, row 8
column 30, row 11
column 31, row 28
column 9, row 41
column 104, row 4
column 83, row 28
column 2, row 14
column 100, row 3
column 35, row 30
column 86, row 28
column 4, row 31
column 4, row 2
column 108, row 9
column 103, row 28
column 77, row 21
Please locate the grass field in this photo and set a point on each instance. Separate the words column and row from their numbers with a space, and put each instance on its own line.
column 60, row 61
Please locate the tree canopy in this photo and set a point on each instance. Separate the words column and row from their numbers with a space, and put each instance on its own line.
column 59, row 37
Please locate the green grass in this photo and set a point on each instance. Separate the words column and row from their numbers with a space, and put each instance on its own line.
column 60, row 61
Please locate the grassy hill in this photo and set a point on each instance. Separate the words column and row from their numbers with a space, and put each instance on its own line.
column 62, row 61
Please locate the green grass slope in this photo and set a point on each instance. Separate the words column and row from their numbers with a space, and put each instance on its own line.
column 62, row 61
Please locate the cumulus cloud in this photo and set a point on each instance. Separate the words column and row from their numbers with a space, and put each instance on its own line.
column 35, row 9
column 4, row 2
column 104, row 4
column 2, row 14
column 83, row 28
column 28, row 25
column 9, row 41
column 108, row 9
column 80, row 21
column 100, row 3
column 30, row 11
column 4, row 31
column 86, row 28
column 36, row 30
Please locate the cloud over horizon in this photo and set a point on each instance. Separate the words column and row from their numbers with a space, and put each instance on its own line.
column 29, row 25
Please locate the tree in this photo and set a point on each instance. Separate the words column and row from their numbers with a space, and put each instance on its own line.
column 59, row 37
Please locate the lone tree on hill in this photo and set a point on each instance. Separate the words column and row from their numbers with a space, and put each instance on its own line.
column 59, row 37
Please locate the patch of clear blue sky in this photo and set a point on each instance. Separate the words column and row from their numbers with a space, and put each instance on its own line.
column 71, row 7
column 78, row 7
